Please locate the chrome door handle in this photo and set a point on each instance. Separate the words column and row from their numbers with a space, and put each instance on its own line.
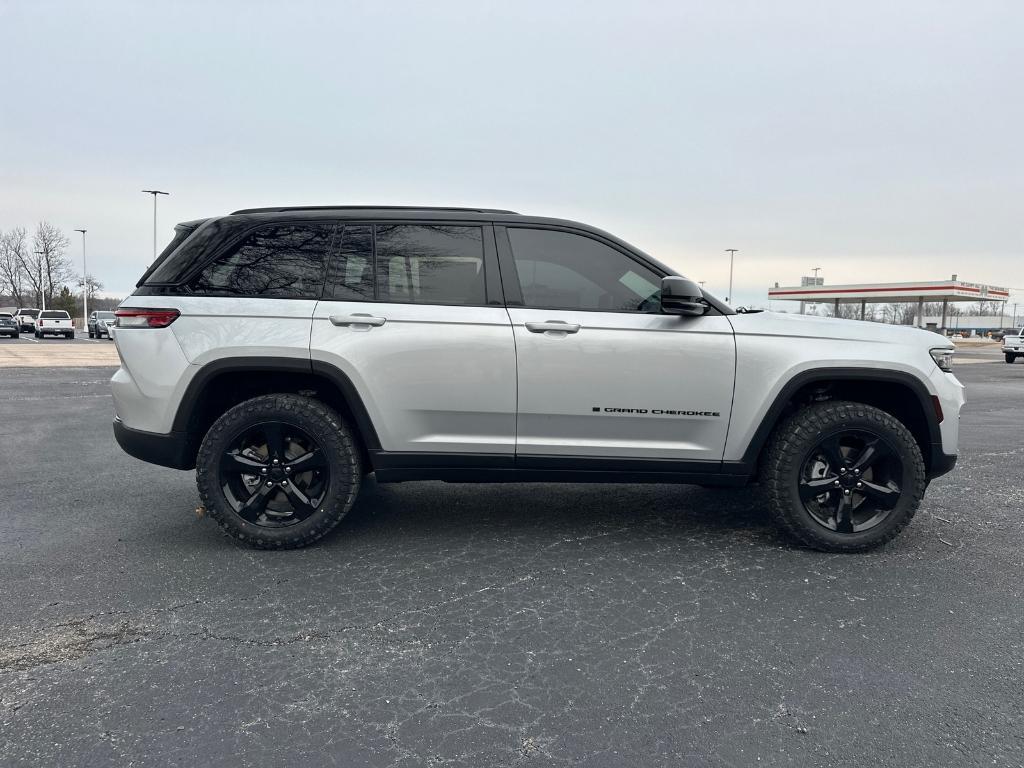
column 553, row 325
column 359, row 318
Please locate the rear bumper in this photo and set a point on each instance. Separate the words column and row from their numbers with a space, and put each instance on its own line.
column 167, row 450
column 941, row 463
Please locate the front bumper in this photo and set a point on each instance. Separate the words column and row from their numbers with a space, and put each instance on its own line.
column 167, row 450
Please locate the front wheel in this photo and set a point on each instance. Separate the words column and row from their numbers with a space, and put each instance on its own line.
column 279, row 471
column 843, row 476
column 1010, row 357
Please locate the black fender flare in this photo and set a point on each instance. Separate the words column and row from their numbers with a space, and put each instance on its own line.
column 888, row 376
column 193, row 392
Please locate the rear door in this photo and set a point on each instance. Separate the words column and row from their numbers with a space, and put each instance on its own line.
column 413, row 316
column 602, row 373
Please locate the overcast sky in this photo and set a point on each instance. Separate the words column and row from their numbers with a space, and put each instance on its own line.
column 877, row 140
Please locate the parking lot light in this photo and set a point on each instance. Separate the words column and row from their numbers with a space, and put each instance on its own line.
column 85, row 286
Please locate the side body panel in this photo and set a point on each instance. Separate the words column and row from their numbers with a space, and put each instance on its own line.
column 774, row 349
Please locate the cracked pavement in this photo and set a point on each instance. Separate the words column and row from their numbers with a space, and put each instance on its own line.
column 529, row 625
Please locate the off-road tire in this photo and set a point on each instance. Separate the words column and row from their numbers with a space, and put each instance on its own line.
column 337, row 441
column 1010, row 357
column 787, row 450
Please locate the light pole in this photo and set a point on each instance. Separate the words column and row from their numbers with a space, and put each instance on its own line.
column 732, row 255
column 154, row 193
column 42, row 288
column 85, row 286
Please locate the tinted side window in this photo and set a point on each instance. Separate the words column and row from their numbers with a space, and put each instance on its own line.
column 352, row 269
column 430, row 264
column 562, row 270
column 278, row 261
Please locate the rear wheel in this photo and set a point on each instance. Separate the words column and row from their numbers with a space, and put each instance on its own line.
column 1010, row 357
column 279, row 471
column 843, row 476
column 92, row 335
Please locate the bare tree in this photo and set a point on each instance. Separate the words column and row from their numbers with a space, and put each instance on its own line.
column 92, row 285
column 13, row 250
column 52, row 265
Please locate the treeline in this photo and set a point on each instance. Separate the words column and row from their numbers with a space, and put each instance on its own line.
column 903, row 313
column 37, row 268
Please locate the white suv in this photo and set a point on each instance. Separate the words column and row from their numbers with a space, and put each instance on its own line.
column 286, row 353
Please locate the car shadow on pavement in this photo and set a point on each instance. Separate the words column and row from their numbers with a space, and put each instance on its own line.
column 436, row 509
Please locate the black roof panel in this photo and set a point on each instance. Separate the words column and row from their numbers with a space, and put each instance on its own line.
column 369, row 208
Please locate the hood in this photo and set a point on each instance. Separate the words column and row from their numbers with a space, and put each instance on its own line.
column 811, row 326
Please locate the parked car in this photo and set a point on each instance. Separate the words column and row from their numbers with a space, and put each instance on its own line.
column 287, row 352
column 1013, row 345
column 54, row 322
column 100, row 323
column 26, row 318
column 8, row 325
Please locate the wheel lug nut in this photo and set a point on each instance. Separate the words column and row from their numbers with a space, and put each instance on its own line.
column 269, row 484
column 284, row 482
column 263, row 471
column 860, row 485
column 847, row 492
column 276, row 461
column 842, row 471
column 837, row 483
column 287, row 470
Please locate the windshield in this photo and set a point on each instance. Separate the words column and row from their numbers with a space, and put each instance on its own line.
column 105, row 315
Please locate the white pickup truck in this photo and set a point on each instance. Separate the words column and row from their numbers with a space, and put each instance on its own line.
column 54, row 322
column 1013, row 345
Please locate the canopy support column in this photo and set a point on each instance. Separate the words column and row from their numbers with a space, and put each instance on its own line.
column 863, row 306
column 920, row 312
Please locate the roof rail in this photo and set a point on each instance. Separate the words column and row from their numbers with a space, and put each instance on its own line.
column 369, row 208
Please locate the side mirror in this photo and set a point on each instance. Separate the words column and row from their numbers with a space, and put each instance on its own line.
column 680, row 296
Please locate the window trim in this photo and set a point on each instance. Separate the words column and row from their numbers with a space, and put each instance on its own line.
column 182, row 286
column 493, row 294
column 513, row 287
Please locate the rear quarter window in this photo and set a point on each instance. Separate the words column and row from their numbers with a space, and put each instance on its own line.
column 274, row 261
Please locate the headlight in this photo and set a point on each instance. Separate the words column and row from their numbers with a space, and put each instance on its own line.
column 943, row 358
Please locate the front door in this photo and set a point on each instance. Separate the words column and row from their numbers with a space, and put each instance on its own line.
column 601, row 372
column 412, row 315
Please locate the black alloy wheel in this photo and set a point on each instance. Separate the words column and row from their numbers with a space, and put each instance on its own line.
column 274, row 474
column 842, row 476
column 279, row 471
column 850, row 481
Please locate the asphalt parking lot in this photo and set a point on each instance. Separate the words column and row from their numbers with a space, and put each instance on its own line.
column 474, row 625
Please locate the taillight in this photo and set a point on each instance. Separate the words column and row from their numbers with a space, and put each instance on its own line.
column 145, row 318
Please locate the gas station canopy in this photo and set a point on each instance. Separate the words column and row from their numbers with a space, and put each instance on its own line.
column 944, row 290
